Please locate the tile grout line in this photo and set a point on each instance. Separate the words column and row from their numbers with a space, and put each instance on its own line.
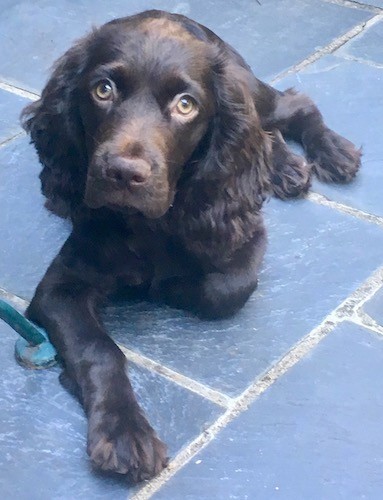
column 363, row 319
column 330, row 47
column 13, row 299
column 185, row 382
column 13, row 89
column 355, row 301
column 9, row 139
column 249, row 395
column 346, row 209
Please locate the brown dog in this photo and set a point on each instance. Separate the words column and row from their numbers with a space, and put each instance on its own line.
column 161, row 145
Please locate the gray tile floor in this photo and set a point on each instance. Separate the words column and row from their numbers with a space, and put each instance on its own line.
column 283, row 401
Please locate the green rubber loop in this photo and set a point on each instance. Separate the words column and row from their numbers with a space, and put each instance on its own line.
column 33, row 350
column 36, row 357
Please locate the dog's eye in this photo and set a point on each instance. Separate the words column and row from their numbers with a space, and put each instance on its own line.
column 104, row 90
column 186, row 105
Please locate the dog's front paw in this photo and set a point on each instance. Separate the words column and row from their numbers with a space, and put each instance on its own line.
column 126, row 444
column 334, row 158
column 292, row 178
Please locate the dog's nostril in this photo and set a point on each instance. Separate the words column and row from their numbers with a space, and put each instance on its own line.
column 138, row 179
column 114, row 173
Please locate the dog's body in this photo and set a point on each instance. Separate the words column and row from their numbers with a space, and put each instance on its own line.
column 160, row 144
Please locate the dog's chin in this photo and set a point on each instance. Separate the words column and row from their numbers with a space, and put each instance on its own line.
column 121, row 202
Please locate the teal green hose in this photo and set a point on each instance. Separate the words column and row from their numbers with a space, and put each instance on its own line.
column 33, row 350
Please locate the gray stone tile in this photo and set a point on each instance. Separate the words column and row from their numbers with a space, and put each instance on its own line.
column 272, row 35
column 43, row 430
column 376, row 3
column 277, row 34
column 30, row 236
column 316, row 433
column 367, row 45
column 374, row 307
column 10, row 108
column 350, row 96
column 316, row 257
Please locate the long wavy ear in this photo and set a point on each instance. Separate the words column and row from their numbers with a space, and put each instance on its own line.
column 222, row 198
column 54, row 125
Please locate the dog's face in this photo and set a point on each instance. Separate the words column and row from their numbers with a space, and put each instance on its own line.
column 146, row 100
column 143, row 108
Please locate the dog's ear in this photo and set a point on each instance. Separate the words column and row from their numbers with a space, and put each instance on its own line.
column 238, row 143
column 54, row 125
column 231, row 177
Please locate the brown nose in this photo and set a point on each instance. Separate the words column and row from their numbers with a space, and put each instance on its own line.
column 132, row 172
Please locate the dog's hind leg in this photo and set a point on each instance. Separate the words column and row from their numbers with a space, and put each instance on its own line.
column 333, row 158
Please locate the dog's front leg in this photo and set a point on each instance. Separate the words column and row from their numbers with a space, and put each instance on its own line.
column 120, row 439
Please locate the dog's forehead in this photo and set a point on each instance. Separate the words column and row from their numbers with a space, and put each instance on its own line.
column 155, row 43
column 166, row 28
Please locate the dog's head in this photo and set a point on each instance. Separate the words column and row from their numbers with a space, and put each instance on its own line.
column 135, row 106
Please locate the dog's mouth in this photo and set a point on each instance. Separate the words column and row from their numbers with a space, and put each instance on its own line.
column 153, row 200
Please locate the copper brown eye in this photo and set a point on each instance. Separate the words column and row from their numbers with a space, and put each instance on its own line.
column 186, row 105
column 103, row 90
